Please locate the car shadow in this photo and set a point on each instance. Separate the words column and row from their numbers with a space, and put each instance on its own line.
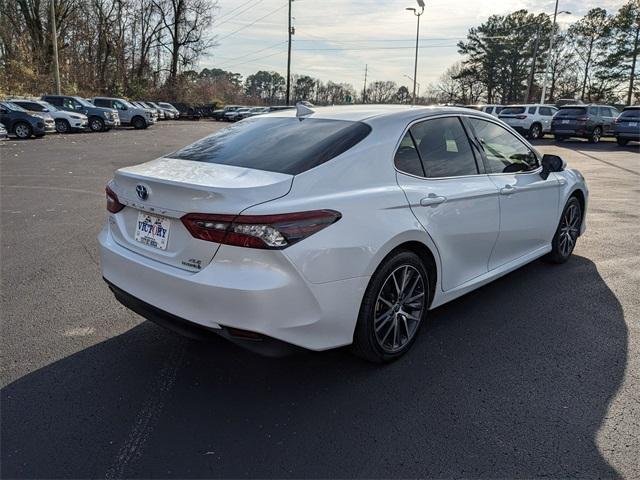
column 512, row 380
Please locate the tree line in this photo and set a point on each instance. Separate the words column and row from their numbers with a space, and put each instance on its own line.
column 149, row 48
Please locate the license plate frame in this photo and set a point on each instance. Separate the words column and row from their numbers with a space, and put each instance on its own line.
column 565, row 122
column 152, row 230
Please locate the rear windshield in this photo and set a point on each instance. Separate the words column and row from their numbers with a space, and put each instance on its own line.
column 512, row 110
column 283, row 145
column 571, row 112
column 631, row 113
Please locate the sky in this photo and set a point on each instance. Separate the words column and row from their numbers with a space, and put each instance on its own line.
column 335, row 39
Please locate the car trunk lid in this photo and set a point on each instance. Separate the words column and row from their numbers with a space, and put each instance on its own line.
column 158, row 193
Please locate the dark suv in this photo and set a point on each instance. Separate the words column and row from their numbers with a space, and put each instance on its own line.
column 627, row 127
column 100, row 119
column 21, row 123
column 587, row 121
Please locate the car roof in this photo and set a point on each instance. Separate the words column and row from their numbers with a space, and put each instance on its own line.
column 358, row 113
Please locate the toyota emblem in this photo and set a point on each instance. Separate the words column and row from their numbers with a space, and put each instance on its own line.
column 142, row 192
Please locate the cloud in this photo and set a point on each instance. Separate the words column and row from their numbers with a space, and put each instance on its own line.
column 335, row 39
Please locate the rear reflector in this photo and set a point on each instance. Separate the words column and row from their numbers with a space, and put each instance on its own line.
column 258, row 231
column 113, row 204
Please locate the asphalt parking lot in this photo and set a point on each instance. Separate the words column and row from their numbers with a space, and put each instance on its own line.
column 536, row 374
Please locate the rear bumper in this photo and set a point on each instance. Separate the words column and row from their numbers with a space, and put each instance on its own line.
column 254, row 290
column 628, row 135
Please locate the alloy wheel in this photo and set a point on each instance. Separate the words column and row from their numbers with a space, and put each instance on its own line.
column 96, row 125
column 22, row 131
column 535, row 132
column 399, row 308
column 62, row 126
column 595, row 136
column 569, row 229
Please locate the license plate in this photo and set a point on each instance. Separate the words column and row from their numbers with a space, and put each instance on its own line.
column 152, row 230
column 565, row 121
column 633, row 124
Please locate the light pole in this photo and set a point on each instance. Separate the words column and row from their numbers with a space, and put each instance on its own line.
column 551, row 37
column 291, row 31
column 54, row 42
column 415, row 65
column 418, row 83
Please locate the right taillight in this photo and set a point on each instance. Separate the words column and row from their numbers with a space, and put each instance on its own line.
column 113, row 204
column 258, row 231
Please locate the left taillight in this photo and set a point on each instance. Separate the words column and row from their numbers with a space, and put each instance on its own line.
column 113, row 204
column 271, row 232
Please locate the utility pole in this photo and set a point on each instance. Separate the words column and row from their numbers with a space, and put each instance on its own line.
column 364, row 90
column 54, row 41
column 289, row 56
column 415, row 65
column 533, row 66
column 633, row 64
column 550, row 54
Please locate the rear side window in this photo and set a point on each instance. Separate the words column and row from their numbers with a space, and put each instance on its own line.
column 512, row 111
column 572, row 112
column 546, row 111
column 284, row 145
column 407, row 159
column 444, row 148
column 99, row 102
column 613, row 112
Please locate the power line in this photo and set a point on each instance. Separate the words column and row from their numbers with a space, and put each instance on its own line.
column 372, row 48
column 252, row 23
column 233, row 10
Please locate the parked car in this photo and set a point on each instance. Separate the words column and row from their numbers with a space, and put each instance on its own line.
column 256, row 111
column 129, row 114
column 188, row 111
column 236, row 115
column 531, row 120
column 65, row 122
column 167, row 107
column 4, row 135
column 490, row 109
column 100, row 119
column 627, row 126
column 568, row 101
column 587, row 121
column 278, row 108
column 22, row 123
column 220, row 114
column 153, row 106
column 272, row 233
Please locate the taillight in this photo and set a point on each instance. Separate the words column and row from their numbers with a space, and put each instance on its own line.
column 521, row 117
column 113, row 204
column 258, row 231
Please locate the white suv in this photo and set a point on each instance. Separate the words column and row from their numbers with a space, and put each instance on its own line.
column 530, row 120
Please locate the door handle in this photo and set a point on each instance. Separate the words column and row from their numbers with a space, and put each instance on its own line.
column 508, row 190
column 432, row 200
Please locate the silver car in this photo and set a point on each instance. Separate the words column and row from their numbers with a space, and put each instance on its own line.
column 129, row 113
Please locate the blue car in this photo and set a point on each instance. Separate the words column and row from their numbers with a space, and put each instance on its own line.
column 627, row 126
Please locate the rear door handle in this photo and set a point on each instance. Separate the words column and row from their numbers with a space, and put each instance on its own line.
column 508, row 190
column 432, row 200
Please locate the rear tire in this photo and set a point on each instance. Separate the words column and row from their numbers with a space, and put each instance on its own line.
column 535, row 132
column 622, row 141
column 393, row 308
column 595, row 135
column 567, row 233
column 62, row 126
column 22, row 130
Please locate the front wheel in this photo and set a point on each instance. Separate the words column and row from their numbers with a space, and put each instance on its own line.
column 23, row 130
column 622, row 141
column 595, row 136
column 139, row 123
column 62, row 126
column 393, row 308
column 564, row 241
column 96, row 124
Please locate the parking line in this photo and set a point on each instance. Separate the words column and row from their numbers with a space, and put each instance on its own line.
column 608, row 163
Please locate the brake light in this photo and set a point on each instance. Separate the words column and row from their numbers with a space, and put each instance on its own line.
column 258, row 231
column 113, row 204
column 521, row 117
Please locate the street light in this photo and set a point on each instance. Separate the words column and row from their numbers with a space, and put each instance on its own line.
column 415, row 66
column 546, row 68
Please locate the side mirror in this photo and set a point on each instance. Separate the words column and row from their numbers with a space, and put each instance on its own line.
column 551, row 163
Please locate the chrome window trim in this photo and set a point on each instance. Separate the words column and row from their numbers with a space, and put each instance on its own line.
column 467, row 115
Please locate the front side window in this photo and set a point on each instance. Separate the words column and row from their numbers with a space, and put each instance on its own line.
column 532, row 110
column 444, row 148
column 407, row 159
column 285, row 145
column 604, row 112
column 71, row 104
column 100, row 102
column 119, row 105
column 504, row 152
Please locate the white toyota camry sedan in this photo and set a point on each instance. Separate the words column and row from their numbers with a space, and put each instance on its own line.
column 334, row 226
